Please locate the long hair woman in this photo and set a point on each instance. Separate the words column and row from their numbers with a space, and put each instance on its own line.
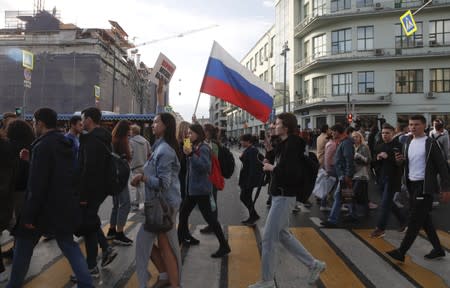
column 161, row 174
column 199, row 191
column 182, row 135
column 121, row 202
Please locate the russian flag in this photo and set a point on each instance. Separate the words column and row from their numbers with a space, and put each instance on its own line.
column 227, row 79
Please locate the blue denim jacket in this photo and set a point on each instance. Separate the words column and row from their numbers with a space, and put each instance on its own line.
column 161, row 171
column 198, row 169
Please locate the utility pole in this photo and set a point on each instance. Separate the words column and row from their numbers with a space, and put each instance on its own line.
column 284, row 53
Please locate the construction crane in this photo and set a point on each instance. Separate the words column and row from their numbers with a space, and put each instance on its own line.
column 171, row 37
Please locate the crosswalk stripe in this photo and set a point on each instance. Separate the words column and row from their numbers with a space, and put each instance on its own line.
column 333, row 276
column 59, row 273
column 244, row 260
column 421, row 275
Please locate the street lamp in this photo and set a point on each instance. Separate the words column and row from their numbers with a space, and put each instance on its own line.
column 284, row 53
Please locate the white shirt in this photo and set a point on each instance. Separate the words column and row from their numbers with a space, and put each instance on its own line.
column 417, row 159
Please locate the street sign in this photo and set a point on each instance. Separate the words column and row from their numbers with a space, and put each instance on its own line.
column 27, row 59
column 408, row 23
column 27, row 84
column 27, row 74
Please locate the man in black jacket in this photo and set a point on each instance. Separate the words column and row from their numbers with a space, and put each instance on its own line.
column 52, row 203
column 250, row 176
column 94, row 162
column 423, row 162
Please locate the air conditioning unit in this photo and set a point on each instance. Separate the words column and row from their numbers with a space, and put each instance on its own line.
column 430, row 95
column 398, row 51
column 433, row 43
column 378, row 6
column 379, row 52
column 370, row 90
column 419, row 43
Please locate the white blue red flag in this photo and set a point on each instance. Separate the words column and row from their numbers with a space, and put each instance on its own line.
column 227, row 79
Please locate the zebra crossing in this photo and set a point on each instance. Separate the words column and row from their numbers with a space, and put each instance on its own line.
column 353, row 260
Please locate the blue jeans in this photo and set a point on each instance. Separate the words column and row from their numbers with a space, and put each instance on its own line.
column 23, row 250
column 387, row 204
column 335, row 212
column 277, row 231
column 121, row 208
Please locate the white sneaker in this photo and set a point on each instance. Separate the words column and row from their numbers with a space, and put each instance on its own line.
column 263, row 284
column 318, row 267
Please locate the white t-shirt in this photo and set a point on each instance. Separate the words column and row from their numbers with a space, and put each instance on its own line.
column 417, row 159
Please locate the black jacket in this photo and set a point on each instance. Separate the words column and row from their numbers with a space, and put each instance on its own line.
column 251, row 173
column 51, row 201
column 8, row 169
column 435, row 164
column 287, row 174
column 94, row 160
column 389, row 167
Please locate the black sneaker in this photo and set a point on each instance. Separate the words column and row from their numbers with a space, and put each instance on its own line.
column 251, row 220
column 190, row 241
column 207, row 230
column 435, row 254
column 108, row 257
column 95, row 273
column 328, row 224
column 223, row 251
column 111, row 234
column 397, row 255
column 121, row 239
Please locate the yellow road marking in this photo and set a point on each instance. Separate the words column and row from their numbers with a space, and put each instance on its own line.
column 58, row 274
column 337, row 274
column 244, row 266
column 421, row 275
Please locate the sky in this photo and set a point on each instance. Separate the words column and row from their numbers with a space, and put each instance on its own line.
column 241, row 24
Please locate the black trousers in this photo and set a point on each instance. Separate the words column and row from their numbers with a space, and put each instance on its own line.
column 247, row 199
column 208, row 214
column 420, row 217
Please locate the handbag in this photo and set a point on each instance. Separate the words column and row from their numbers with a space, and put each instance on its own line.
column 346, row 193
column 157, row 215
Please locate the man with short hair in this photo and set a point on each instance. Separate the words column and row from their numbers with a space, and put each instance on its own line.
column 423, row 162
column 441, row 136
column 389, row 175
column 141, row 150
column 94, row 162
column 344, row 169
column 52, row 204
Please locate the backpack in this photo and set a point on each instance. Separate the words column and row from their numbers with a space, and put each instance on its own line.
column 226, row 160
column 310, row 168
column 117, row 173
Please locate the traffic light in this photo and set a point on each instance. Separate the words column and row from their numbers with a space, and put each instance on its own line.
column 18, row 111
column 349, row 118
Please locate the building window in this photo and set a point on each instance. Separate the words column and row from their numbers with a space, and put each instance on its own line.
column 272, row 73
column 261, row 56
column 365, row 38
column 440, row 80
column 341, row 41
column 319, row 84
column 366, row 82
column 337, row 5
column 251, row 64
column 256, row 59
column 341, row 84
column 306, row 89
column 265, row 50
column 319, row 46
column 272, row 41
column 364, row 3
column 440, row 32
column 409, row 81
column 414, row 41
column 266, row 74
column 306, row 10
column 319, row 7
column 306, row 50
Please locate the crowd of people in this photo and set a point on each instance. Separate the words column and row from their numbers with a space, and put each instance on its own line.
column 52, row 184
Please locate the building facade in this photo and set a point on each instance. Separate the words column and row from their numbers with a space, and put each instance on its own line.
column 73, row 69
column 352, row 56
column 261, row 61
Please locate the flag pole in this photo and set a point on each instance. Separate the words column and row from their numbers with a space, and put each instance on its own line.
column 196, row 104
column 200, row 92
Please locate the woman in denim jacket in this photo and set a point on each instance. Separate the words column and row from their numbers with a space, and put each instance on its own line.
column 161, row 174
column 199, row 191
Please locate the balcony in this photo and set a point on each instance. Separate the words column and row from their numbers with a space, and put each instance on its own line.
column 327, row 57
column 322, row 101
column 327, row 17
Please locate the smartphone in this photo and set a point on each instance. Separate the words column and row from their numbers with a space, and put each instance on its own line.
column 396, row 150
column 187, row 143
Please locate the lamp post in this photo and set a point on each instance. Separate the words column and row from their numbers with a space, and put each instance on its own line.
column 284, row 53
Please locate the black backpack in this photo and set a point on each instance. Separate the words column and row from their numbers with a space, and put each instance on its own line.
column 117, row 173
column 310, row 169
column 226, row 160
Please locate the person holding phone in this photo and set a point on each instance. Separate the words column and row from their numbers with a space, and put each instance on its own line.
column 389, row 180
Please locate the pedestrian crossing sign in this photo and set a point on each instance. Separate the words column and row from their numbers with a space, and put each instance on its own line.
column 408, row 23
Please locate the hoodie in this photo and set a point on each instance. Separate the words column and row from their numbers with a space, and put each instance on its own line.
column 141, row 150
